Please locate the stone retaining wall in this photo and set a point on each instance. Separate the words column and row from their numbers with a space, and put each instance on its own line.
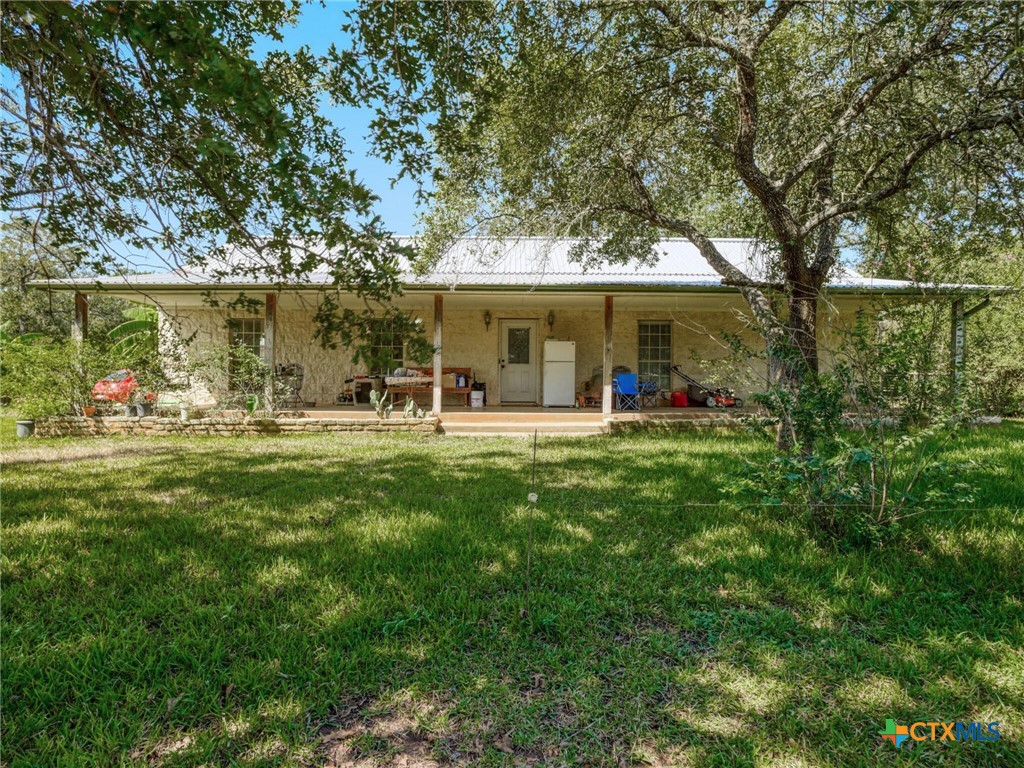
column 616, row 426
column 82, row 426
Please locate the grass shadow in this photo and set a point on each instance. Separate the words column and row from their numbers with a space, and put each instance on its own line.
column 224, row 600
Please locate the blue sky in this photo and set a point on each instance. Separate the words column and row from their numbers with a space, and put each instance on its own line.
column 318, row 27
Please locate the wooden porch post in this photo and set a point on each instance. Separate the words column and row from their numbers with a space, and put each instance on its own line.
column 269, row 330
column 80, row 328
column 606, row 392
column 956, row 346
column 438, row 337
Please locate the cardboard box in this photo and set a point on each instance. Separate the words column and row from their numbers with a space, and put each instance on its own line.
column 448, row 381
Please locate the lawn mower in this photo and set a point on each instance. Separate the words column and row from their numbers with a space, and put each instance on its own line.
column 712, row 398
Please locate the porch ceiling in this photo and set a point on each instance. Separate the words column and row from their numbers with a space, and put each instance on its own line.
column 493, row 301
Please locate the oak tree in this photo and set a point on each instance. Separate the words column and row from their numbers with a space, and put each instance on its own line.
column 794, row 122
column 135, row 133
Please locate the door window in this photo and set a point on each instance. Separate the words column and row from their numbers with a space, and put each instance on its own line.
column 519, row 346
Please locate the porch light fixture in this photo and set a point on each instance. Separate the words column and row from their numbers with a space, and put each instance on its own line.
column 487, row 319
column 551, row 319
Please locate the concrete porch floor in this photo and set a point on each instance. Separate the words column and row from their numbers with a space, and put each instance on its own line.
column 512, row 419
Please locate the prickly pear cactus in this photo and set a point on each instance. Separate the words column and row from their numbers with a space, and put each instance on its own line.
column 380, row 404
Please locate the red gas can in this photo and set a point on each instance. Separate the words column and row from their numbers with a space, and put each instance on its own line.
column 679, row 400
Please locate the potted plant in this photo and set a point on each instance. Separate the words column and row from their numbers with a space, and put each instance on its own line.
column 143, row 405
column 150, row 380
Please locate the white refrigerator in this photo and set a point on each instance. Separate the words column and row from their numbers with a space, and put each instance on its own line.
column 559, row 373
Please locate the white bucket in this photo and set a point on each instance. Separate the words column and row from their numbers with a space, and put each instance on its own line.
column 476, row 399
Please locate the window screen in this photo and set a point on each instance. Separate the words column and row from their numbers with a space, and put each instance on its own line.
column 655, row 357
column 249, row 333
column 387, row 349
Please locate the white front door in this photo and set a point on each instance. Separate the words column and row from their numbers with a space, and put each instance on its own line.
column 518, row 361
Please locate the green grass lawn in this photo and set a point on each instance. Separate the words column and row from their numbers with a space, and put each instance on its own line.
column 358, row 600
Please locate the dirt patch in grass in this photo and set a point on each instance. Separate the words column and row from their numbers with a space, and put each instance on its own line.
column 383, row 740
column 410, row 734
column 361, row 734
column 65, row 453
column 661, row 635
column 163, row 750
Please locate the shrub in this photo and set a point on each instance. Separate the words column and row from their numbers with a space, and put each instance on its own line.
column 248, row 377
column 52, row 378
column 863, row 477
column 876, row 428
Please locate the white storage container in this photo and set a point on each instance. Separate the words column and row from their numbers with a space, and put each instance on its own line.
column 476, row 399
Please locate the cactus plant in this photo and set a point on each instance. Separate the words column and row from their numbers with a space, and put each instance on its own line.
column 411, row 410
column 381, row 404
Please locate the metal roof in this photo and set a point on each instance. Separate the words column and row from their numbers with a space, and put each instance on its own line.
column 527, row 263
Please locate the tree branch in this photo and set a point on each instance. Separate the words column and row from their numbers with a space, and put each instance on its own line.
column 691, row 36
column 780, row 217
column 861, row 104
column 824, row 252
column 1013, row 120
column 781, row 11
column 648, row 211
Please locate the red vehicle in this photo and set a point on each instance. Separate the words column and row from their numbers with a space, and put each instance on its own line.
column 118, row 387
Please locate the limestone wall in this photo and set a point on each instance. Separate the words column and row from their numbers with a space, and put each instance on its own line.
column 467, row 343
column 697, row 336
column 80, row 426
column 200, row 331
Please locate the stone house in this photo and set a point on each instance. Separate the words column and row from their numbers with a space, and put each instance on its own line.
column 490, row 306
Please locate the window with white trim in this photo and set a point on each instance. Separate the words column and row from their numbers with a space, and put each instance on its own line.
column 249, row 332
column 387, row 348
column 655, row 352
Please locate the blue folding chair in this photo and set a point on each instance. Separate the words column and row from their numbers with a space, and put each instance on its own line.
column 649, row 393
column 627, row 394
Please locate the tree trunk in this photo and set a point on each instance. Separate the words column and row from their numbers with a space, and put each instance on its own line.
column 800, row 360
column 802, row 324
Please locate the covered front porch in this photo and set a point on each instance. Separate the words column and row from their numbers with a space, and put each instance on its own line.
column 522, row 324
column 541, row 350
column 539, row 356
column 500, row 340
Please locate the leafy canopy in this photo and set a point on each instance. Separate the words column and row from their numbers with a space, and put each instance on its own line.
column 623, row 122
column 153, row 128
column 28, row 254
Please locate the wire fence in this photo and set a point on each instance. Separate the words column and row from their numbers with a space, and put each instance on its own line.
column 541, row 491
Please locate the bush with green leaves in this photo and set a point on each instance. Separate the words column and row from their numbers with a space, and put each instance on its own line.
column 880, row 420
column 251, row 383
column 138, row 336
column 45, row 378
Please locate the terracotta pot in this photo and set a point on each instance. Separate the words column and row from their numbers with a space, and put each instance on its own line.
column 89, row 410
